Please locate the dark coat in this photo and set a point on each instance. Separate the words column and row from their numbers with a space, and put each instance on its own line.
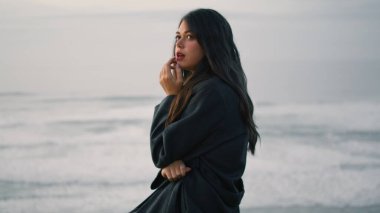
column 211, row 138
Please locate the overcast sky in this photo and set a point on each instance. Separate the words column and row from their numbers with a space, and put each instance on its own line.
column 119, row 46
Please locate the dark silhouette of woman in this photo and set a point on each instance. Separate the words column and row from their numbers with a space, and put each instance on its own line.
column 202, row 130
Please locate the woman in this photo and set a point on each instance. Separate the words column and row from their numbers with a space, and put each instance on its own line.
column 201, row 131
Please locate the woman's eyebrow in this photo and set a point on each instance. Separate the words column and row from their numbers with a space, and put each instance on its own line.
column 187, row 31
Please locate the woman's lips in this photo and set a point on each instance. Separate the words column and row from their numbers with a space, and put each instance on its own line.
column 180, row 56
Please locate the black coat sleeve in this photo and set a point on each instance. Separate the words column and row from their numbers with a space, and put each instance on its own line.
column 202, row 115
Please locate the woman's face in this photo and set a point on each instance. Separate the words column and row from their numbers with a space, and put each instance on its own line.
column 188, row 52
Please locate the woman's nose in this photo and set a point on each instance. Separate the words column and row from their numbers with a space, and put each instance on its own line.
column 179, row 43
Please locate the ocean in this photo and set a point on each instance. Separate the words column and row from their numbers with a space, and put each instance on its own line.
column 79, row 82
column 76, row 153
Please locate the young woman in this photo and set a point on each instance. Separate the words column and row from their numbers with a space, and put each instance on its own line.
column 201, row 131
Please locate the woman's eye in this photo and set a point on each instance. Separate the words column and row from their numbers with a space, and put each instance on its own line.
column 188, row 37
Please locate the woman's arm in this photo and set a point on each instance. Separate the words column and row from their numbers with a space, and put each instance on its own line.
column 202, row 115
column 171, row 83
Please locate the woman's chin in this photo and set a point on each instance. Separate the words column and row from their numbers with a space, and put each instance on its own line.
column 188, row 68
column 181, row 65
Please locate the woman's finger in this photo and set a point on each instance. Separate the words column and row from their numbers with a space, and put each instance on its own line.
column 174, row 71
column 170, row 63
column 178, row 171
column 166, row 67
column 164, row 173
column 173, row 174
column 178, row 74
column 183, row 170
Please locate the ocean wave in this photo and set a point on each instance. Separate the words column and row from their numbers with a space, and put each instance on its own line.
column 96, row 122
column 96, row 125
column 359, row 166
column 6, row 183
column 11, row 125
column 16, row 94
column 313, row 208
column 20, row 190
column 124, row 99
column 42, row 145
column 321, row 132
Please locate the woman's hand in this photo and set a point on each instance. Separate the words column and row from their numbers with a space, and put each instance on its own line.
column 171, row 82
column 175, row 171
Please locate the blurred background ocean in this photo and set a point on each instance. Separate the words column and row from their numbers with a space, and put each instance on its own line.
column 79, row 81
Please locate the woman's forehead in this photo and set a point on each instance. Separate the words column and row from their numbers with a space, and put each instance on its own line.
column 183, row 27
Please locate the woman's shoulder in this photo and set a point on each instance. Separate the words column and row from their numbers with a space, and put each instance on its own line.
column 213, row 85
column 216, row 94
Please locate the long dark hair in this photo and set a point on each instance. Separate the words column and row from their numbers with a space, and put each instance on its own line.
column 222, row 59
